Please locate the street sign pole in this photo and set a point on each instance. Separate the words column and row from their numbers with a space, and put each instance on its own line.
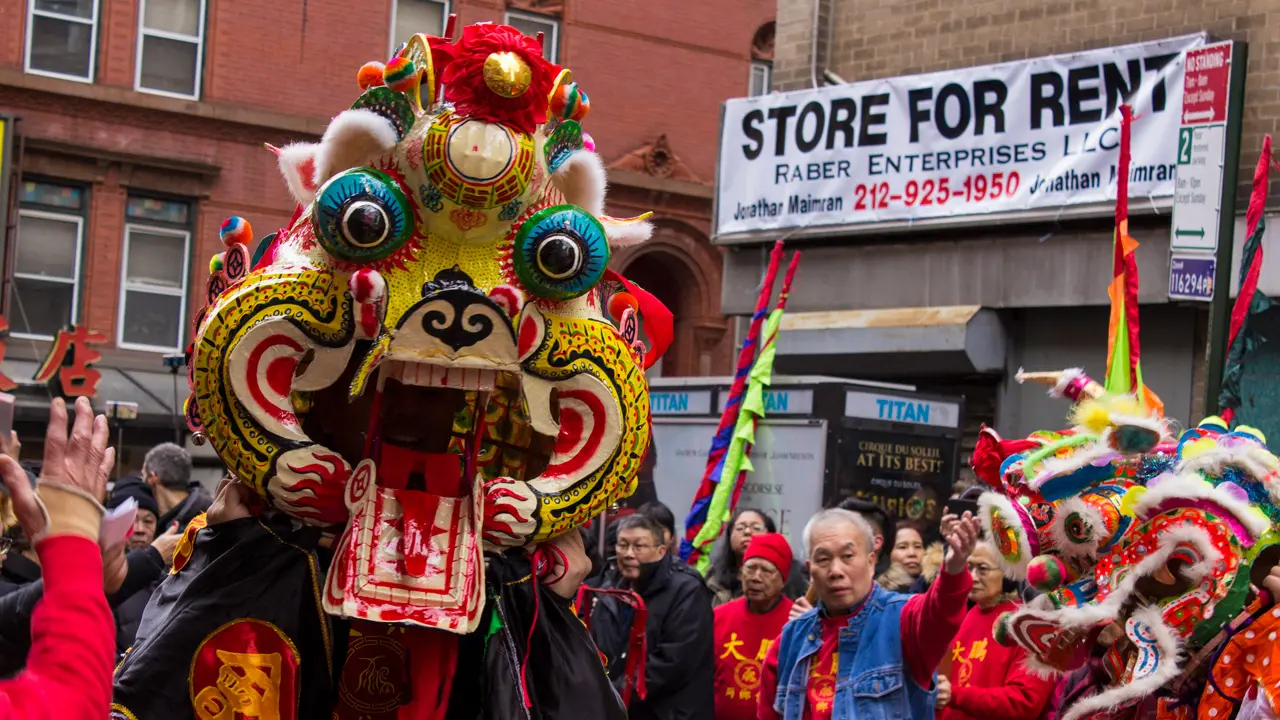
column 1220, row 308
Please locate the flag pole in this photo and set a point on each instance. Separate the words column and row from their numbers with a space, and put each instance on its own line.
column 698, row 515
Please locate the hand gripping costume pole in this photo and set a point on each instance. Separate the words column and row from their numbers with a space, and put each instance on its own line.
column 421, row 366
column 1123, row 521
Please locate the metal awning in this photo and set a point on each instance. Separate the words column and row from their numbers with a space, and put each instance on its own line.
column 152, row 391
column 950, row 340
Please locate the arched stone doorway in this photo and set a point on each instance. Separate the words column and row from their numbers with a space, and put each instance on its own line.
column 684, row 273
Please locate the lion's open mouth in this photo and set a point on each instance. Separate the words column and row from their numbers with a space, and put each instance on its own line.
column 421, row 419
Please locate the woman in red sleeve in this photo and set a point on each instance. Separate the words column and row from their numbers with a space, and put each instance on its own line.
column 987, row 679
column 68, row 671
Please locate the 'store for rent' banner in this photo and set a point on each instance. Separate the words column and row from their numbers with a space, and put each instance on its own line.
column 1027, row 135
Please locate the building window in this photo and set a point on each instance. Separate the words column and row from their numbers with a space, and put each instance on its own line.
column 410, row 17
column 62, row 38
column 531, row 24
column 45, row 292
column 153, row 289
column 761, row 78
column 170, row 48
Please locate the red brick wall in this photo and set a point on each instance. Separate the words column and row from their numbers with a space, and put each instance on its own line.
column 651, row 68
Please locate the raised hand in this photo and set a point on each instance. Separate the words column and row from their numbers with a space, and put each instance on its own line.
column 73, row 480
column 962, row 536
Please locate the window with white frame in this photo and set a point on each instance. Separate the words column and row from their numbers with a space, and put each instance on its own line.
column 45, row 292
column 153, row 289
column 410, row 17
column 531, row 24
column 761, row 78
column 62, row 38
column 170, row 48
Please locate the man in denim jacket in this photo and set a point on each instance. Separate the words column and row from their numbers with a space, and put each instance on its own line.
column 865, row 652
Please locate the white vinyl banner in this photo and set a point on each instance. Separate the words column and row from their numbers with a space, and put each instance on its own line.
column 1026, row 135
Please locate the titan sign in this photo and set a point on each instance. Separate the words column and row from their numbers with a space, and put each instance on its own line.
column 1028, row 135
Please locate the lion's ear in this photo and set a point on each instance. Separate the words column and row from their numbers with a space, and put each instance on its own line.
column 298, row 166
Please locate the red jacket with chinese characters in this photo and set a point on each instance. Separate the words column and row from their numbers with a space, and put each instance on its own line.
column 988, row 681
column 742, row 642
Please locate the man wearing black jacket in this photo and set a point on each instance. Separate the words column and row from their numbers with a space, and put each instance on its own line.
column 679, row 665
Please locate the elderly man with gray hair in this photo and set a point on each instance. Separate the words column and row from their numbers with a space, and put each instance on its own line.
column 863, row 651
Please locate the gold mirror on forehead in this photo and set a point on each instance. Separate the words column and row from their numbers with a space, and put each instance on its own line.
column 418, row 51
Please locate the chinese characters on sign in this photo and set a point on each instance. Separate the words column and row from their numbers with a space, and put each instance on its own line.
column 70, row 362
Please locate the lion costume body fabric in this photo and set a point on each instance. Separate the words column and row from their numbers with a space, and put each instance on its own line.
column 421, row 365
column 1124, row 522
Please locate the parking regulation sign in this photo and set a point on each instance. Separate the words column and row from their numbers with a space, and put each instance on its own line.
column 1191, row 277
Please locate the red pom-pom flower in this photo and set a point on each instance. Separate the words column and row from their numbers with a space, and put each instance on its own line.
column 465, row 86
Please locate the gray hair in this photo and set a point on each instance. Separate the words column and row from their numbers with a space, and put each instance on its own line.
column 838, row 515
column 171, row 464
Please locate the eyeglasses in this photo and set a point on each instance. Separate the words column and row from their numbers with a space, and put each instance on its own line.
column 760, row 570
column 624, row 548
column 749, row 527
column 6, row 544
column 981, row 570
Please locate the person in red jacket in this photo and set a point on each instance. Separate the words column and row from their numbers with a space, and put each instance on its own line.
column 68, row 671
column 987, row 679
column 747, row 626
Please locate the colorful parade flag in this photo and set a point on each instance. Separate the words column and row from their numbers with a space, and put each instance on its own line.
column 737, row 460
column 1124, row 371
column 1241, row 338
column 691, row 551
column 760, row 380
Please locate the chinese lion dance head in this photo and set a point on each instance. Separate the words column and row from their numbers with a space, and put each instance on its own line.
column 424, row 353
column 1123, row 522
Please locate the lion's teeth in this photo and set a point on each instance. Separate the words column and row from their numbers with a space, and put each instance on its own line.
column 422, row 375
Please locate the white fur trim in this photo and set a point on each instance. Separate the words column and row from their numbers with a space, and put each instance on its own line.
column 1187, row 486
column 626, row 232
column 1068, row 376
column 295, row 165
column 354, row 138
column 1057, row 529
column 1256, row 461
column 1164, row 643
column 582, row 181
column 1086, row 616
column 1053, row 466
column 1003, row 505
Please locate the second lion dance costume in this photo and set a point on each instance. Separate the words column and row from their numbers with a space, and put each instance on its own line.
column 1123, row 521
column 432, row 366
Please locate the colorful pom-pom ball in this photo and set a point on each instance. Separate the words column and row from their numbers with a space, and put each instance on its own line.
column 370, row 75
column 1252, row 432
column 588, row 142
column 400, row 74
column 1001, row 630
column 235, row 230
column 1046, row 573
column 216, row 264
column 568, row 101
column 619, row 302
column 1213, row 422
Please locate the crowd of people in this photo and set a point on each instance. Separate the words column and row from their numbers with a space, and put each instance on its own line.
column 69, row 607
column 866, row 620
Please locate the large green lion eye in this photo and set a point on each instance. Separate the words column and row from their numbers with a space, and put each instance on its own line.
column 362, row 216
column 561, row 252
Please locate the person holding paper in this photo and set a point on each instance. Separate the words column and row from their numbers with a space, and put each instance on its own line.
column 68, row 671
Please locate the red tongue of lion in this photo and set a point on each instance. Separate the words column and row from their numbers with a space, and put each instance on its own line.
column 420, row 479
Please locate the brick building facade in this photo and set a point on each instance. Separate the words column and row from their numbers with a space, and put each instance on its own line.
column 1040, row 284
column 140, row 126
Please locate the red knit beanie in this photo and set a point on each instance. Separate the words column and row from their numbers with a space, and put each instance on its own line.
column 772, row 547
